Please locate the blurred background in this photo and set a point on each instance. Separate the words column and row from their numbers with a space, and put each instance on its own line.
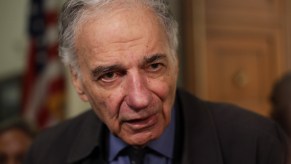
column 230, row 51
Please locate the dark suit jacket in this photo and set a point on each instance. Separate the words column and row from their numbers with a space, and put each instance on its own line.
column 207, row 133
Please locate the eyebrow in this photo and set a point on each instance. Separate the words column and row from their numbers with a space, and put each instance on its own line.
column 105, row 69
column 117, row 67
column 154, row 58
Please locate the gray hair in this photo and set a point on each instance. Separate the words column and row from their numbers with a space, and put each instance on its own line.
column 73, row 10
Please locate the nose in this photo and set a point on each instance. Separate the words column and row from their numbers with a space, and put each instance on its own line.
column 138, row 94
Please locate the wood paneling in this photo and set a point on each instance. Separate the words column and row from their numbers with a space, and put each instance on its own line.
column 288, row 32
column 244, row 51
column 241, row 68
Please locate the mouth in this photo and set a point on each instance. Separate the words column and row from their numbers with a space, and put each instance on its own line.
column 142, row 123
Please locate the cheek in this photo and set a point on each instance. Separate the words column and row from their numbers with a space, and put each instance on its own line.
column 105, row 104
column 164, row 87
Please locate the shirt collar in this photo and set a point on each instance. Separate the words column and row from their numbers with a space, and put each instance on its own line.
column 163, row 145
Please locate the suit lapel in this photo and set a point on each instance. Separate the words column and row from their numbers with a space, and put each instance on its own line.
column 88, row 139
column 201, row 144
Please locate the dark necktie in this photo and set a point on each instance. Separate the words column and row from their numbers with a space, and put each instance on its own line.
column 136, row 155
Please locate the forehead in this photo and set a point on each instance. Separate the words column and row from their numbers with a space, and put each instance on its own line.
column 119, row 24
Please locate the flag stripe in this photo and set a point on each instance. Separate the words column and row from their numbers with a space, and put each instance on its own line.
column 44, row 81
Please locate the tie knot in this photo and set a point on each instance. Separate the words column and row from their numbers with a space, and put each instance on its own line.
column 136, row 155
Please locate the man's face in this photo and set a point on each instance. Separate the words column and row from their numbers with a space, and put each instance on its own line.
column 127, row 73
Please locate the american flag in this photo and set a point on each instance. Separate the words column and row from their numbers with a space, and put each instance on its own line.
column 44, row 80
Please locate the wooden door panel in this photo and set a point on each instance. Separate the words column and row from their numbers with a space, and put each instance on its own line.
column 252, row 13
column 236, row 50
column 255, row 6
column 241, row 68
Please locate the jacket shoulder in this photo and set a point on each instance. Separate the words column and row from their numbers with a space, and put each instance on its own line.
column 228, row 116
column 53, row 144
column 240, row 130
column 242, row 135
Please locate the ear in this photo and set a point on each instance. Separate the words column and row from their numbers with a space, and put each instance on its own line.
column 78, row 84
column 177, row 65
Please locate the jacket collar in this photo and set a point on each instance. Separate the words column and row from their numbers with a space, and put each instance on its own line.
column 87, row 138
column 201, row 144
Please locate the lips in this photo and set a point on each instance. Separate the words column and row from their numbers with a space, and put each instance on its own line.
column 143, row 123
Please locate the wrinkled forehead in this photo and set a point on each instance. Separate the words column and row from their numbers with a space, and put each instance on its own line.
column 121, row 23
column 113, row 5
column 102, row 12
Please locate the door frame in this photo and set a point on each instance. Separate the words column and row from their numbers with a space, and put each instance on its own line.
column 194, row 46
column 288, row 31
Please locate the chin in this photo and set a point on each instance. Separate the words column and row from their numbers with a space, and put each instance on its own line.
column 143, row 138
column 139, row 142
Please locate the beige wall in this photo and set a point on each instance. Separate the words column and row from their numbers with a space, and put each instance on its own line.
column 13, row 15
column 13, row 47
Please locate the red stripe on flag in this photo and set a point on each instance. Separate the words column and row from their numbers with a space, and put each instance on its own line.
column 43, row 90
column 30, row 74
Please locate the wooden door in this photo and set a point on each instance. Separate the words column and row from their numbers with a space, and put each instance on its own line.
column 237, row 50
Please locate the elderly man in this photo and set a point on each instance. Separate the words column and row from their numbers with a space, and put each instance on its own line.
column 122, row 58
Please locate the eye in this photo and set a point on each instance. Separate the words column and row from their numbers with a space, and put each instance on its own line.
column 155, row 67
column 109, row 77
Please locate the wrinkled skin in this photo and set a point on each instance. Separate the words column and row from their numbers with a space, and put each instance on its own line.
column 127, row 73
